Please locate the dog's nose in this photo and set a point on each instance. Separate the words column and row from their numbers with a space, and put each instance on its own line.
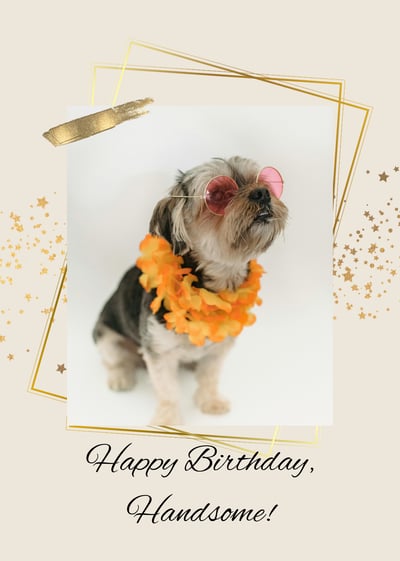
column 260, row 195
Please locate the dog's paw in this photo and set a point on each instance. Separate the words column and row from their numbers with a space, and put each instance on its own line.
column 121, row 380
column 215, row 405
column 166, row 414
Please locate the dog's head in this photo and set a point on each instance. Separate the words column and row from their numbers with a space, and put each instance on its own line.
column 250, row 221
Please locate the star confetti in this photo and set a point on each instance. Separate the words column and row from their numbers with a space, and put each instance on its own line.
column 42, row 202
column 32, row 247
column 369, row 278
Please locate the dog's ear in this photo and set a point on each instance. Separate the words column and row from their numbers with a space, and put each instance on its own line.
column 161, row 220
column 168, row 222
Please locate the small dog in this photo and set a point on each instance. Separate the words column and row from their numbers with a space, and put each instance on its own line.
column 217, row 242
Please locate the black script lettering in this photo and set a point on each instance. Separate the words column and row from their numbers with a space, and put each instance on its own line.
column 140, row 507
column 139, row 514
column 202, row 461
column 248, row 514
column 205, row 457
column 289, row 464
column 198, row 513
column 99, row 457
column 92, row 458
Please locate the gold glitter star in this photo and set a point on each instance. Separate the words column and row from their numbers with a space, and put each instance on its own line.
column 396, row 168
column 59, row 239
column 348, row 276
column 2, row 338
column 393, row 272
column 372, row 248
column 42, row 202
column 44, row 271
column 375, row 228
column 61, row 368
column 28, row 297
column 383, row 176
column 361, row 315
column 10, row 357
column 354, row 287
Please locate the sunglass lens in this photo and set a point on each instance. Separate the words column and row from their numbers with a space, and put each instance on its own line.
column 219, row 192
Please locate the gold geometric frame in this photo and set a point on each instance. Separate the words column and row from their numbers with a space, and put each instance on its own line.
column 220, row 71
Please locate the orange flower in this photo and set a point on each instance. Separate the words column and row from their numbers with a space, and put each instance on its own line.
column 198, row 312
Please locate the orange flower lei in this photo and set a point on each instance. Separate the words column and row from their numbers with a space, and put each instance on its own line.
column 196, row 311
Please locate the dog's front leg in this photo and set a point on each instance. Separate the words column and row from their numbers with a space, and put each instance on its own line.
column 163, row 372
column 207, row 396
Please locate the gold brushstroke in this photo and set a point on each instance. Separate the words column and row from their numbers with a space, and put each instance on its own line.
column 89, row 125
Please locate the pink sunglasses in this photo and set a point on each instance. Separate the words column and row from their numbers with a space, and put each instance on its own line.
column 221, row 189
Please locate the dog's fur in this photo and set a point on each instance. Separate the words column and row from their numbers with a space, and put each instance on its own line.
column 218, row 249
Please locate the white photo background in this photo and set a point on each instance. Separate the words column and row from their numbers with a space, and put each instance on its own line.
column 280, row 369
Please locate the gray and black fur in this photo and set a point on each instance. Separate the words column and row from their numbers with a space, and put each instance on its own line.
column 218, row 250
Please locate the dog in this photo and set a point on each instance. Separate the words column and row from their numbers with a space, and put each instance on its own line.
column 217, row 247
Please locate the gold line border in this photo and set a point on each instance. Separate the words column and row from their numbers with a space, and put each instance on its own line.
column 179, row 432
column 236, row 73
column 56, row 298
column 262, row 77
column 350, row 175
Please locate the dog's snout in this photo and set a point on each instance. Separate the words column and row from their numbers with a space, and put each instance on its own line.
column 260, row 195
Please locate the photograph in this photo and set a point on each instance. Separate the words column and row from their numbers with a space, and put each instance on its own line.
column 199, row 268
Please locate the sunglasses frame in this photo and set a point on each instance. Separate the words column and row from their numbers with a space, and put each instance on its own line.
column 276, row 191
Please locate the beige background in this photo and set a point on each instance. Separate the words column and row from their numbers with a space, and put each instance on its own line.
column 55, row 506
